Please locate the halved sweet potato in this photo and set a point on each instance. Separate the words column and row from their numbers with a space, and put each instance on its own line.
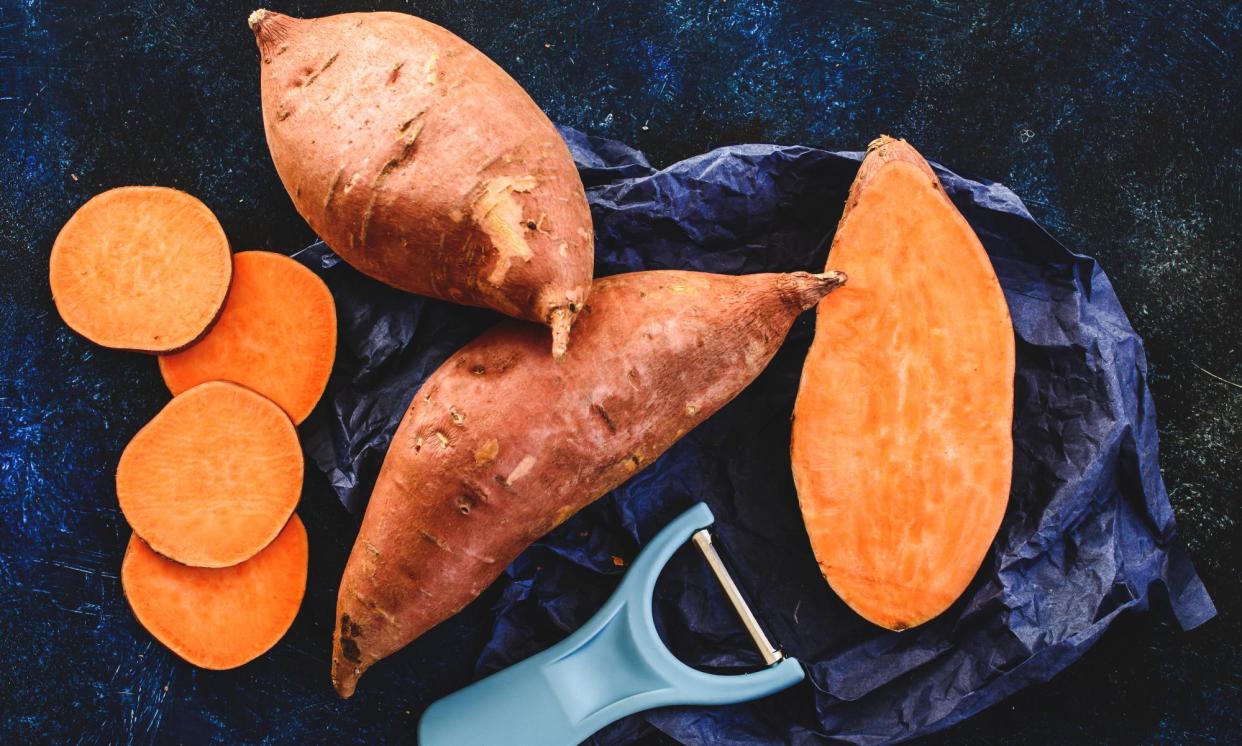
column 222, row 617
column 902, row 446
column 213, row 478
column 276, row 335
column 141, row 268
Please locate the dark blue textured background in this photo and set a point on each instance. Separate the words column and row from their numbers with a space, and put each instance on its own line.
column 1118, row 124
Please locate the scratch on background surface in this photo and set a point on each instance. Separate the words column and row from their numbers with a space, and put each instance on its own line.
column 26, row 109
column 1219, row 378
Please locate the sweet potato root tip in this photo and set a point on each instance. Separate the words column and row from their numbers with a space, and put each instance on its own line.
column 271, row 32
column 902, row 451
column 505, row 222
column 803, row 289
column 882, row 141
column 276, row 336
column 256, row 19
column 269, row 27
column 345, row 674
column 141, row 268
column 218, row 618
column 213, row 478
column 653, row 355
column 347, row 665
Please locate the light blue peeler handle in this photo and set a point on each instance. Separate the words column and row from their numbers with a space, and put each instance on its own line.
column 613, row 666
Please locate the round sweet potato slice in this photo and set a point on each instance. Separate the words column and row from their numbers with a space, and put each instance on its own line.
column 141, row 268
column 222, row 617
column 276, row 335
column 213, row 477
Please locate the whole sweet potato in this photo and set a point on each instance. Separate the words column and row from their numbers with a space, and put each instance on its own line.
column 501, row 444
column 423, row 164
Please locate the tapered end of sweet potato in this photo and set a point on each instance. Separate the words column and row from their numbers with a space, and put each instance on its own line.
column 363, row 634
column 269, row 28
column 349, row 661
column 880, row 152
column 344, row 677
column 803, row 289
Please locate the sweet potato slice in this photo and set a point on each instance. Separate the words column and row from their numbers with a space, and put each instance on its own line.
column 220, row 617
column 276, row 335
column 141, row 268
column 213, row 477
column 902, row 447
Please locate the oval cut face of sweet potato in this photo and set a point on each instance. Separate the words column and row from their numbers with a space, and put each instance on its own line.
column 213, row 477
column 218, row 618
column 902, row 446
column 276, row 336
column 141, row 268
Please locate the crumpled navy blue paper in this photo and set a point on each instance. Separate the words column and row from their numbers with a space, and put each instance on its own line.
column 1088, row 535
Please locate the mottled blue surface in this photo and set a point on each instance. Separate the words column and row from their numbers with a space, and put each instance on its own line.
column 1119, row 124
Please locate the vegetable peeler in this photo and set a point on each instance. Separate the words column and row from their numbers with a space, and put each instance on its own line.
column 613, row 666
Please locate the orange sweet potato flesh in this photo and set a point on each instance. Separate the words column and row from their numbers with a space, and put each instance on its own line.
column 424, row 165
column 141, row 268
column 213, row 478
column 902, row 447
column 223, row 617
column 276, row 336
column 501, row 444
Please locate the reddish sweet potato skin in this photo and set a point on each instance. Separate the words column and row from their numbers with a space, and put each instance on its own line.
column 423, row 164
column 501, row 444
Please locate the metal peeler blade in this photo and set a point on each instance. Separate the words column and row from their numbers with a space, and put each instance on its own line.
column 703, row 540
